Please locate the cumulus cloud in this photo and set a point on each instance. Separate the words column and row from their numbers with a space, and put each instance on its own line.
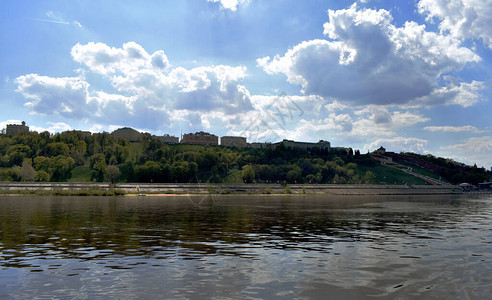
column 230, row 4
column 375, row 122
column 399, row 144
column 473, row 145
column 72, row 98
column 367, row 60
column 336, row 123
column 102, row 59
column 52, row 128
column 473, row 150
column 132, row 70
column 463, row 94
column 342, row 123
column 463, row 19
column 65, row 96
column 148, row 88
column 453, row 129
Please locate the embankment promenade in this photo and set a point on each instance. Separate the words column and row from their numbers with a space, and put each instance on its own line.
column 210, row 188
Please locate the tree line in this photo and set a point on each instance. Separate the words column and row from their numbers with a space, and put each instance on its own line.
column 33, row 156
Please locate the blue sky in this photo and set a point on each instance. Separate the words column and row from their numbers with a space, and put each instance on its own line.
column 408, row 75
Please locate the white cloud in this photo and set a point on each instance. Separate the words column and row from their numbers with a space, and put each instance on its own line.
column 102, row 59
column 407, row 119
column 398, row 144
column 473, row 145
column 231, row 4
column 377, row 122
column 453, row 129
column 463, row 19
column 148, row 88
column 340, row 124
column 370, row 61
column 53, row 128
column 97, row 128
column 463, row 94
column 132, row 70
column 473, row 150
column 66, row 96
column 71, row 97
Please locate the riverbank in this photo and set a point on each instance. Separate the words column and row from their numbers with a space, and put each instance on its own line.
column 107, row 189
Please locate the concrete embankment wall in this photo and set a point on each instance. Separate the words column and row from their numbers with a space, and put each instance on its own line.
column 169, row 188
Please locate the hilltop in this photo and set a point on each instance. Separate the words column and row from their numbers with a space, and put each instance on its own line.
column 77, row 157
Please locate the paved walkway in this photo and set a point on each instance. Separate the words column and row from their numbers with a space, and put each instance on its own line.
column 388, row 162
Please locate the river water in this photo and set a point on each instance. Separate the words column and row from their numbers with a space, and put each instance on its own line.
column 246, row 247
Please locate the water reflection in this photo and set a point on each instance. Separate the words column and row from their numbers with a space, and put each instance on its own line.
column 250, row 247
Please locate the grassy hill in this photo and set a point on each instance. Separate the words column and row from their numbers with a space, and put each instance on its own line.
column 386, row 175
column 71, row 156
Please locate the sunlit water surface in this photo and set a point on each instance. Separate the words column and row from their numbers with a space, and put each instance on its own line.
column 248, row 247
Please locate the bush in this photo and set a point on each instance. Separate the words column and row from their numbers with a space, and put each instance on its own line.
column 42, row 176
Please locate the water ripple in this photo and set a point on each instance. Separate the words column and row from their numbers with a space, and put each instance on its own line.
column 249, row 247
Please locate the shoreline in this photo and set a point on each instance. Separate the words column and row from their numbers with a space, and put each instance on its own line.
column 190, row 189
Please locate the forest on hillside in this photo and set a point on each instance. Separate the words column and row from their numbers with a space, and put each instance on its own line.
column 72, row 156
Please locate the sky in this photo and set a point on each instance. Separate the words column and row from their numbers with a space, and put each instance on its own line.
column 412, row 76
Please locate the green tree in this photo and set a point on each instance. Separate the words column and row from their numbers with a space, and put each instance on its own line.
column 17, row 153
column 78, row 151
column 181, row 171
column 149, row 172
column 294, row 175
column 370, row 177
column 248, row 173
column 42, row 176
column 120, row 153
column 4, row 161
column 266, row 172
column 98, row 167
column 311, row 178
column 27, row 171
column 61, row 168
column 112, row 173
column 42, row 163
column 59, row 148
column 6, row 175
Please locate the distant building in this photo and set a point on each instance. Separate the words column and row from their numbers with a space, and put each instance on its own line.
column 233, row 141
column 304, row 145
column 81, row 132
column 14, row 129
column 200, row 138
column 128, row 133
column 169, row 139
column 381, row 151
column 257, row 145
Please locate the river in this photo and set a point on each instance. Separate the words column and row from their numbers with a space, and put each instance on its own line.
column 246, row 247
